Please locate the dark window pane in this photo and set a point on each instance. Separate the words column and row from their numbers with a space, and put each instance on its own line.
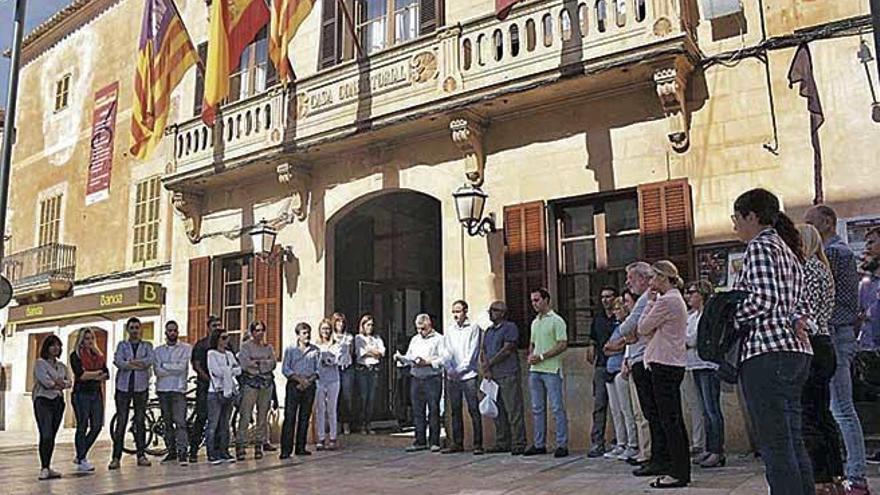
column 623, row 250
column 233, row 295
column 232, row 319
column 621, row 215
column 577, row 220
column 579, row 256
column 232, row 271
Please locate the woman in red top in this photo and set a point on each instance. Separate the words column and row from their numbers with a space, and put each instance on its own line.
column 89, row 370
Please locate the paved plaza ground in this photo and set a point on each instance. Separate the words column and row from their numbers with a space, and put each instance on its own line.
column 369, row 466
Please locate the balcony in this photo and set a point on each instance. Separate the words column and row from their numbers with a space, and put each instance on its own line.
column 594, row 45
column 45, row 272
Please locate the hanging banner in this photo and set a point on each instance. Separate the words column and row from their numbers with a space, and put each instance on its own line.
column 101, row 156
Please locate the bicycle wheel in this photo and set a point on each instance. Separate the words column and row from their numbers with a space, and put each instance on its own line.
column 129, row 445
column 155, row 434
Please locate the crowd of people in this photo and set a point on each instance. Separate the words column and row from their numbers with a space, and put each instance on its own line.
column 800, row 318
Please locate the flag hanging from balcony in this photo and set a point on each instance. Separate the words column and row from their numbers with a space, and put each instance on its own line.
column 165, row 53
column 287, row 15
column 234, row 25
column 503, row 7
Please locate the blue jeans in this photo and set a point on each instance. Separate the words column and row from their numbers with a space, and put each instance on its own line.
column 426, row 392
column 842, row 406
column 366, row 384
column 541, row 387
column 773, row 384
column 89, row 410
column 346, row 395
column 217, row 431
column 709, row 388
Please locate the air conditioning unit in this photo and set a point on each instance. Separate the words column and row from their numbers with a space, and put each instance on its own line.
column 714, row 9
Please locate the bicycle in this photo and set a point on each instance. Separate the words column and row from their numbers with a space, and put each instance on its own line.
column 154, row 425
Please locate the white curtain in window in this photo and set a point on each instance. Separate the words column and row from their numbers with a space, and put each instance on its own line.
column 406, row 23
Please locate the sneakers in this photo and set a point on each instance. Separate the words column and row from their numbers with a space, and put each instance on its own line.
column 596, row 451
column 319, row 446
column 416, row 448
column 258, row 452
column 215, row 460
column 226, row 457
column 114, row 465
column 182, row 461
column 268, row 447
column 171, row 457
column 331, row 445
column 874, row 459
column 144, row 462
column 194, row 458
column 560, row 452
column 454, row 449
column 497, row 449
column 84, row 466
column 435, row 448
column 535, row 451
column 628, row 453
column 478, row 451
column 48, row 474
column 614, row 453
column 854, row 488
column 302, row 452
column 240, row 454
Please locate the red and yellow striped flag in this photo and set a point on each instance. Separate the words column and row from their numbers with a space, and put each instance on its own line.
column 165, row 53
column 287, row 15
column 234, row 25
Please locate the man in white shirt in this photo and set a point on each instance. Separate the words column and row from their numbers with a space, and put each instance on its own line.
column 425, row 357
column 171, row 365
column 461, row 354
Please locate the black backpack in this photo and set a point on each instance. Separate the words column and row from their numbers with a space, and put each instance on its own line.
column 717, row 339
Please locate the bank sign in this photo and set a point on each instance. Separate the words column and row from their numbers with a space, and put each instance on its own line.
column 144, row 296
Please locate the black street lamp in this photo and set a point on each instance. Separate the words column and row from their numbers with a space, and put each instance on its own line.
column 865, row 57
column 469, row 204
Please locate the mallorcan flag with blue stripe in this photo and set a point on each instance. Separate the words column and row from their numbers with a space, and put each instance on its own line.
column 165, row 53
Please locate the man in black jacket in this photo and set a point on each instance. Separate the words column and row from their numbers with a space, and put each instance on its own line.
column 600, row 330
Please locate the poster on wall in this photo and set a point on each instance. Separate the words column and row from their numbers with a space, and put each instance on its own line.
column 101, row 155
column 720, row 263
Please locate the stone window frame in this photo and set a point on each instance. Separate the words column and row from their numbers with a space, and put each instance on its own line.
column 62, row 93
column 147, row 220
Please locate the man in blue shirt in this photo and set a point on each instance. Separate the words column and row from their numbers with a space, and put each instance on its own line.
column 843, row 322
column 499, row 362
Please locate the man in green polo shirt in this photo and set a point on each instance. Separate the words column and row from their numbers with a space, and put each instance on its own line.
column 549, row 340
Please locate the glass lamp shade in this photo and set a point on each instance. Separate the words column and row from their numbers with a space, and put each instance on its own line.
column 263, row 238
column 469, row 204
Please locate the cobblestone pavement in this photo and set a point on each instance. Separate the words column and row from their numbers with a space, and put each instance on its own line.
column 363, row 468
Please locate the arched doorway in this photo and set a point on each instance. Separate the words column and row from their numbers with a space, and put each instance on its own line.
column 387, row 262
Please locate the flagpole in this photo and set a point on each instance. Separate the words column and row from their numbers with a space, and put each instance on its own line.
column 349, row 23
column 9, row 123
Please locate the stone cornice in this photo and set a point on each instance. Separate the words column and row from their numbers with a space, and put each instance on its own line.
column 61, row 24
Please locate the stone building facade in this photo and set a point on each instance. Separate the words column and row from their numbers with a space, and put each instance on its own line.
column 602, row 132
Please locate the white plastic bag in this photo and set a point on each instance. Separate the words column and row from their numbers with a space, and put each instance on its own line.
column 488, row 407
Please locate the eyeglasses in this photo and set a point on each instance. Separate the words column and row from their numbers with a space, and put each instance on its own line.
column 258, row 329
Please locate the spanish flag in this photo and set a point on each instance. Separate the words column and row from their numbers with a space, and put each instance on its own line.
column 503, row 7
column 287, row 15
column 234, row 25
column 165, row 53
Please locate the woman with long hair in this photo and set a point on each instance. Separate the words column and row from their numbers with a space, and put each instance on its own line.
column 328, row 385
column 346, row 370
column 89, row 370
column 776, row 351
column 51, row 378
column 223, row 369
column 369, row 350
column 664, row 322
column 258, row 361
column 706, row 379
column 820, row 429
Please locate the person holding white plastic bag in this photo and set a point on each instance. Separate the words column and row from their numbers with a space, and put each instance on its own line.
column 461, row 344
column 499, row 363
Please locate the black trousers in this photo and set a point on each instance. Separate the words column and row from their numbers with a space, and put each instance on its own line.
column 820, row 429
column 297, row 410
column 645, row 391
column 666, row 384
column 198, row 432
column 124, row 402
column 48, row 413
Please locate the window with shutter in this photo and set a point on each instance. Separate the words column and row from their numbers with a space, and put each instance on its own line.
column 666, row 223
column 430, row 15
column 267, row 299
column 525, row 261
column 199, row 299
column 330, row 32
column 200, row 80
